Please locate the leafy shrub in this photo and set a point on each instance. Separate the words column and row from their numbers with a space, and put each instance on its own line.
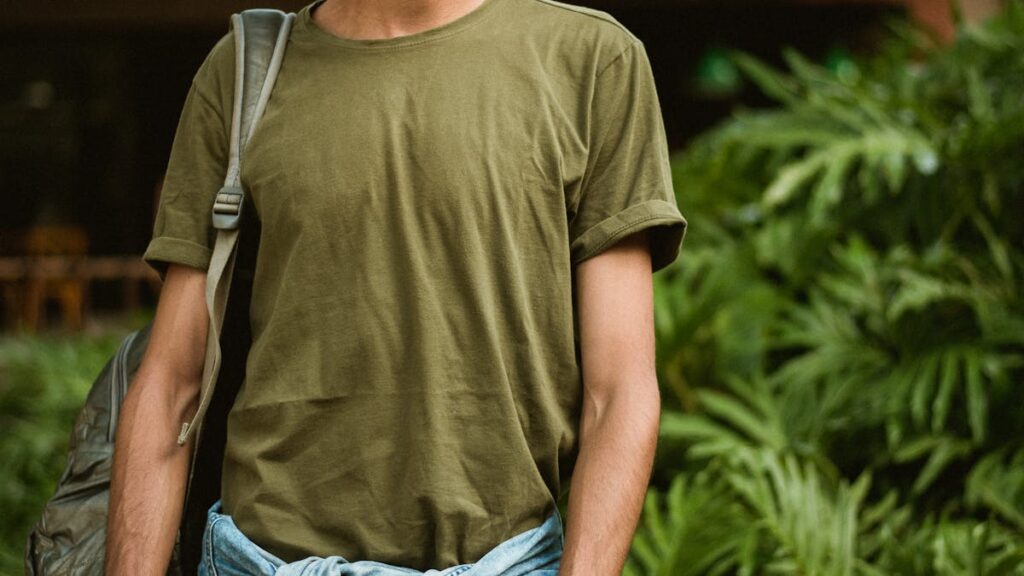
column 842, row 346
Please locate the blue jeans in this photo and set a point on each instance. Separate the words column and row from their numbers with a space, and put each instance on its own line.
column 228, row 552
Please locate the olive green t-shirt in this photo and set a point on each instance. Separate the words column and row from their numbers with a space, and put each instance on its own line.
column 413, row 391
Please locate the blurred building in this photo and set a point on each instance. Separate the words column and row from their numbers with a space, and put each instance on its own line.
column 91, row 92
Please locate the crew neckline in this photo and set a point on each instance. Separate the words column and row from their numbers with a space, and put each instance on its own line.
column 305, row 23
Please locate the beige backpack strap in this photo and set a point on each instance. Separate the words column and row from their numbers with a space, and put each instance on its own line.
column 260, row 39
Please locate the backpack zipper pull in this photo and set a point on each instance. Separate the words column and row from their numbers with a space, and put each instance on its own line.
column 183, row 435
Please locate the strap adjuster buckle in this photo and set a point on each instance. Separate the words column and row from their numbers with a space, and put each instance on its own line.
column 227, row 208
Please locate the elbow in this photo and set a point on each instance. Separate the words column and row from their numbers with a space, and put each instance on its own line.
column 173, row 391
column 633, row 397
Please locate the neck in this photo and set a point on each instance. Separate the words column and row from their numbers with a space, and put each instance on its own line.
column 380, row 19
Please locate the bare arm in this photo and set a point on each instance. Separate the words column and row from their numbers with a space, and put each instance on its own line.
column 621, row 406
column 150, row 470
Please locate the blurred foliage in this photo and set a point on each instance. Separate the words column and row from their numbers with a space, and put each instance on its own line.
column 842, row 345
column 44, row 380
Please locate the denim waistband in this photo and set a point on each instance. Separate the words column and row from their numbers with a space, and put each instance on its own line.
column 228, row 552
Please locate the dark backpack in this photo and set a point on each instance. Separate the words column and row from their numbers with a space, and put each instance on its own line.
column 70, row 537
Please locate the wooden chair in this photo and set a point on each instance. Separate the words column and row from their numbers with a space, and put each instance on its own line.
column 55, row 255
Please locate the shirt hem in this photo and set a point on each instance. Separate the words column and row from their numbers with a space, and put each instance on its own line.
column 668, row 229
column 165, row 250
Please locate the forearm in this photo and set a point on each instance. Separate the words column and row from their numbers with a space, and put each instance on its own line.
column 617, row 443
column 148, row 478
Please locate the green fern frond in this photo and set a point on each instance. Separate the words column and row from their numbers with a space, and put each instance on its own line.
column 996, row 482
column 696, row 527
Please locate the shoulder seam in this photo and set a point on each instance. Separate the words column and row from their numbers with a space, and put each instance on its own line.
column 633, row 44
column 208, row 101
column 586, row 12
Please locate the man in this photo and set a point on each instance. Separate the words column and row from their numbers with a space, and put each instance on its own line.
column 462, row 203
